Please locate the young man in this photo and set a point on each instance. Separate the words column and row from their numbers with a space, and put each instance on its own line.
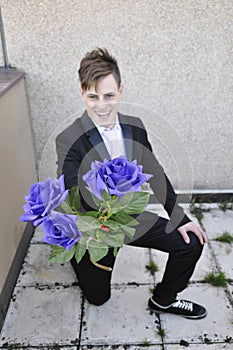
column 87, row 140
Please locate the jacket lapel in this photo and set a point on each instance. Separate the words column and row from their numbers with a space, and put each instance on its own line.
column 127, row 135
column 94, row 137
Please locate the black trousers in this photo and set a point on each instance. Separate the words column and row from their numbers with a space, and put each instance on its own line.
column 151, row 233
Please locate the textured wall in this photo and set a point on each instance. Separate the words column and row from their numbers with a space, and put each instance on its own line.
column 176, row 62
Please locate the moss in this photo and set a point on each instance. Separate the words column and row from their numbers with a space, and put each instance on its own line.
column 152, row 267
column 216, row 280
column 197, row 210
column 145, row 343
column 161, row 332
column 226, row 237
column 225, row 205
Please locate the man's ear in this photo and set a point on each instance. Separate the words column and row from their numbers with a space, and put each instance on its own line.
column 81, row 91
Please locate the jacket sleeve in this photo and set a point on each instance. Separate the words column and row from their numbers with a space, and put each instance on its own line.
column 68, row 161
column 161, row 184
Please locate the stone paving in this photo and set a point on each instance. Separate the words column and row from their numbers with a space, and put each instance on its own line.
column 48, row 311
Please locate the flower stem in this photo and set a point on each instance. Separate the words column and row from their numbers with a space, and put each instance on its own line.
column 106, row 268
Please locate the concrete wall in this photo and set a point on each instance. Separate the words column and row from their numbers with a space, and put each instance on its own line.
column 176, row 60
column 17, row 171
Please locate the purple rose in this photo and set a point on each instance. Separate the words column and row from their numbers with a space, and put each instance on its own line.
column 117, row 177
column 42, row 198
column 61, row 229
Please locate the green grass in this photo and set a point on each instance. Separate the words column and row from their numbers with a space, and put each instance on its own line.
column 161, row 332
column 226, row 237
column 197, row 210
column 152, row 267
column 225, row 205
column 216, row 280
column 146, row 343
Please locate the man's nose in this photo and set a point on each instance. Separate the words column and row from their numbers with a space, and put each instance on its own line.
column 101, row 103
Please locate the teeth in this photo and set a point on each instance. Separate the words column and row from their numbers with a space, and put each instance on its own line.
column 103, row 114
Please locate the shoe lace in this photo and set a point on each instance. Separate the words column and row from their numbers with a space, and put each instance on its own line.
column 182, row 304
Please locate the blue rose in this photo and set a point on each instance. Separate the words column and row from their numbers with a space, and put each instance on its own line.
column 61, row 229
column 117, row 177
column 42, row 198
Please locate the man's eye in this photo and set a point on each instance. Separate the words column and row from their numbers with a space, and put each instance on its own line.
column 92, row 97
column 110, row 96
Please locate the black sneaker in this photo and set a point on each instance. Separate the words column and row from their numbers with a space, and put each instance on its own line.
column 180, row 307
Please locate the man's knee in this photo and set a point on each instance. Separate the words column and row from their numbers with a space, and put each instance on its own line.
column 195, row 245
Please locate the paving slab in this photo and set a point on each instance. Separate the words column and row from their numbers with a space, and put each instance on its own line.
column 160, row 259
column 37, row 270
column 157, row 209
column 130, row 266
column 55, row 347
column 218, row 346
column 215, row 328
column 230, row 288
column 40, row 316
column 38, row 235
column 126, row 347
column 224, row 255
column 204, row 265
column 217, row 221
column 124, row 319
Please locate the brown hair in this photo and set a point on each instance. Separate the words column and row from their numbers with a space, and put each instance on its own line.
column 95, row 65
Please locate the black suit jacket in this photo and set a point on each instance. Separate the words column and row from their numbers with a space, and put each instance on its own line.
column 80, row 144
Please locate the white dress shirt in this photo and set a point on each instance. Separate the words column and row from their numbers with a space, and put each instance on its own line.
column 119, row 137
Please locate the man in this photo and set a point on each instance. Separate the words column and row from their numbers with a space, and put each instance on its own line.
column 87, row 140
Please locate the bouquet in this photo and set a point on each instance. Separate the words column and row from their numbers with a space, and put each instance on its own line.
column 118, row 188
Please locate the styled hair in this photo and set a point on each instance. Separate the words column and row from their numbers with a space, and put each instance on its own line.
column 95, row 65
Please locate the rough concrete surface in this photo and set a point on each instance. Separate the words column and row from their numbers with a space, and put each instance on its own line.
column 48, row 310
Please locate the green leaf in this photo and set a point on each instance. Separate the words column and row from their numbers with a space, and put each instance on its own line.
column 116, row 205
column 130, row 203
column 74, row 198
column 115, row 240
column 125, row 219
column 128, row 231
column 61, row 255
column 135, row 202
column 66, row 207
column 94, row 214
column 95, row 199
column 115, row 251
column 105, row 195
column 80, row 251
column 97, row 250
column 114, row 225
column 87, row 223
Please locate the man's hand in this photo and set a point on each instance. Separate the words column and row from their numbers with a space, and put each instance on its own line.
column 196, row 229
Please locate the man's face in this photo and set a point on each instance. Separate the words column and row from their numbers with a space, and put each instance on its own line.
column 102, row 102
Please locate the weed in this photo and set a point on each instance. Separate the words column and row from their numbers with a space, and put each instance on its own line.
column 197, row 211
column 151, row 289
column 225, row 205
column 226, row 237
column 216, row 280
column 146, row 343
column 152, row 267
column 199, row 217
column 161, row 332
